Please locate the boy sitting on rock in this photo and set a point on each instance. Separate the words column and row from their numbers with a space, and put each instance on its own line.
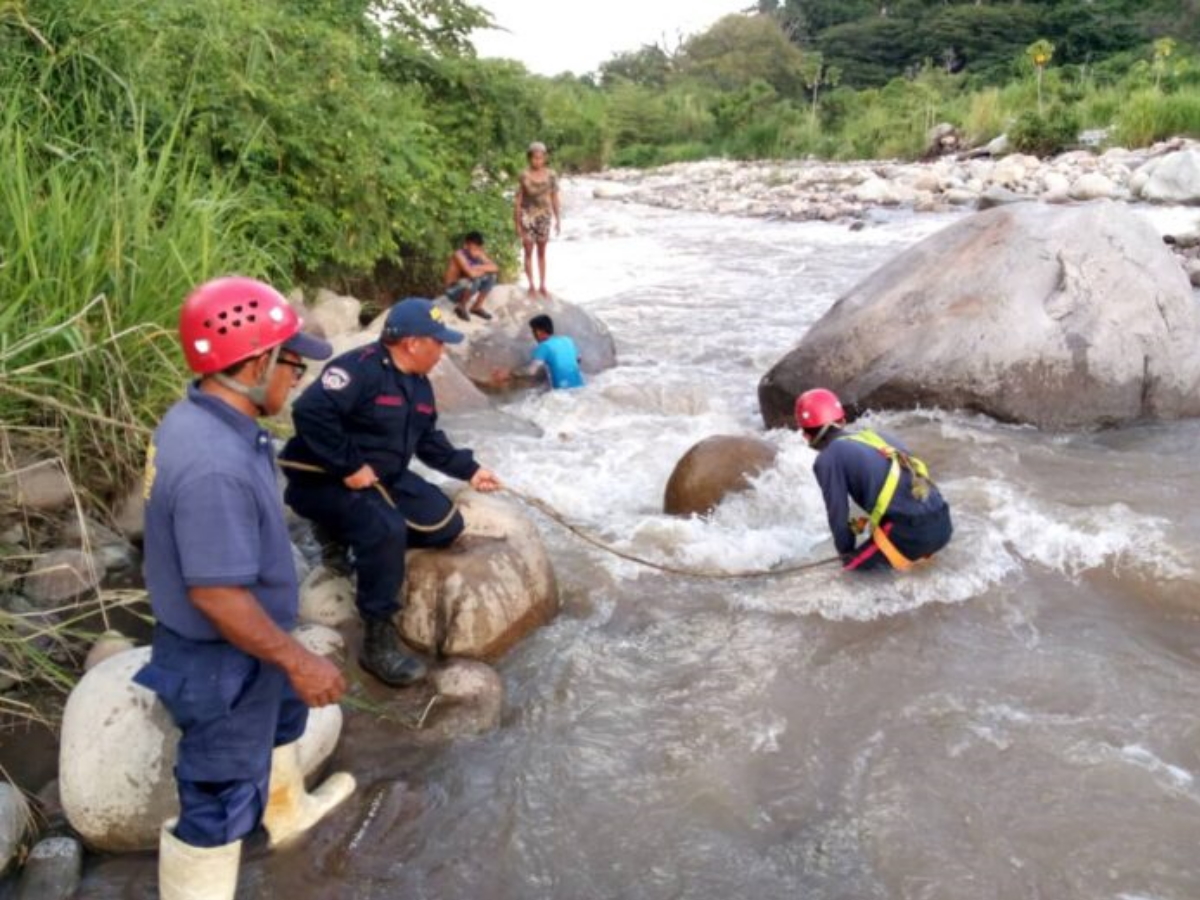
column 470, row 275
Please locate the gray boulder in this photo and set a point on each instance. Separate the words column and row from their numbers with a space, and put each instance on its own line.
column 505, row 343
column 43, row 487
column 716, row 466
column 1174, row 178
column 1057, row 317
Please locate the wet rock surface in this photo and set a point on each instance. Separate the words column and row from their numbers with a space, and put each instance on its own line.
column 1058, row 317
column 480, row 596
column 712, row 469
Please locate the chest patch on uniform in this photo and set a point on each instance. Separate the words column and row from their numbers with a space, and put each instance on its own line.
column 389, row 400
column 425, row 408
column 334, row 379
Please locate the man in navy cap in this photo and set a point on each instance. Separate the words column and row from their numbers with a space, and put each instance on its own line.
column 222, row 584
column 358, row 428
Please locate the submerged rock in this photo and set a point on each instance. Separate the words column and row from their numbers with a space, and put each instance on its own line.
column 1057, row 317
column 485, row 592
column 118, row 753
column 713, row 468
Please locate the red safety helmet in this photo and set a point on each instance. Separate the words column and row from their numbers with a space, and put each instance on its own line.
column 227, row 320
column 818, row 408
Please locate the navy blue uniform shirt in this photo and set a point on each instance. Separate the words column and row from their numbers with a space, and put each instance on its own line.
column 363, row 410
column 848, row 469
column 214, row 517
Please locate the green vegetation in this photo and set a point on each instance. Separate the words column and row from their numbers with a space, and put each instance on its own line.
column 150, row 144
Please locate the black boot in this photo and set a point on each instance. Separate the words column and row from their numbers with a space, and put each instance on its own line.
column 385, row 657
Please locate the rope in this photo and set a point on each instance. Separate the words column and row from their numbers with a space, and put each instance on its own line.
column 586, row 536
column 555, row 516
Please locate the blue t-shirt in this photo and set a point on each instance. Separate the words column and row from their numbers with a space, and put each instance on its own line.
column 562, row 360
column 214, row 517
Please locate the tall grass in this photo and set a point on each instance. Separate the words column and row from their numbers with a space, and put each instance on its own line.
column 103, row 229
column 1149, row 116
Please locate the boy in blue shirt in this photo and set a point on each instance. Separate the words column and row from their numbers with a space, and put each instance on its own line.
column 556, row 352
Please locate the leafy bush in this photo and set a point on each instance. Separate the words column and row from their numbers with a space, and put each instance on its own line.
column 1045, row 135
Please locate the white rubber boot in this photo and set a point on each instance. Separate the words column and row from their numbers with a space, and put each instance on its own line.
column 196, row 873
column 291, row 810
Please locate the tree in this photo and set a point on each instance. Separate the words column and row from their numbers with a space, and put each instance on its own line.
column 649, row 66
column 739, row 50
column 816, row 73
column 1163, row 48
column 1040, row 53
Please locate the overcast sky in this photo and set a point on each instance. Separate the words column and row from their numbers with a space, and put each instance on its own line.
column 553, row 36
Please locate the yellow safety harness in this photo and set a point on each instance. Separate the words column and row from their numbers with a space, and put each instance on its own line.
column 921, row 483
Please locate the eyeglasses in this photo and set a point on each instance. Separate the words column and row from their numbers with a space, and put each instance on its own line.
column 300, row 367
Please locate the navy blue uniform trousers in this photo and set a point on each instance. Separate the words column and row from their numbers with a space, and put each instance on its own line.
column 232, row 710
column 376, row 534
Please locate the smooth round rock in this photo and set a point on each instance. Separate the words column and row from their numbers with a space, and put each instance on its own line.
column 712, row 469
column 117, row 756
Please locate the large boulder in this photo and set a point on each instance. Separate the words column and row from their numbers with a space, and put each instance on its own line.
column 486, row 591
column 1053, row 316
column 711, row 469
column 506, row 343
column 117, row 754
column 1174, row 178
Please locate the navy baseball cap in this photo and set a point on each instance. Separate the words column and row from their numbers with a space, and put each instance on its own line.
column 418, row 317
column 309, row 346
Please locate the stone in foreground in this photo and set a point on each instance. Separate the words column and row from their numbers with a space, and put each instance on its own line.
column 480, row 596
column 118, row 754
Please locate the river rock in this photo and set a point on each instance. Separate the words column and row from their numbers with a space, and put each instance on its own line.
column 14, row 822
column 486, row 591
column 998, row 196
column 118, row 753
column 111, row 550
column 334, row 315
column 712, row 469
column 129, row 515
column 472, row 686
column 41, row 487
column 53, row 870
column 1093, row 186
column 60, row 576
column 327, row 598
column 1169, row 179
column 506, row 343
column 107, row 645
column 1059, row 317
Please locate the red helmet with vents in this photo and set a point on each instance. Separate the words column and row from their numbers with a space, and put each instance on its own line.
column 227, row 320
column 817, row 408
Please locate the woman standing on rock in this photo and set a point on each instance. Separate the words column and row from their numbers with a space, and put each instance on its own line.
column 535, row 206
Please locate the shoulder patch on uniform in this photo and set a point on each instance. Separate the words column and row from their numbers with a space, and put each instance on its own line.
column 335, row 378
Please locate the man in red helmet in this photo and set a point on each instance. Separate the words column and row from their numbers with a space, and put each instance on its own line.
column 222, row 583
column 907, row 518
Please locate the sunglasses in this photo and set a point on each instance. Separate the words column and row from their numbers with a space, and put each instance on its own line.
column 300, row 367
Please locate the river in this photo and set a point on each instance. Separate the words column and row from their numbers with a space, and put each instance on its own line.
column 1019, row 720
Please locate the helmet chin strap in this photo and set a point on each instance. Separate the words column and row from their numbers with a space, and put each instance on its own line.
column 255, row 393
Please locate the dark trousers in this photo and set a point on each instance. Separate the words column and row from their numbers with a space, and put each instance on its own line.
column 377, row 534
column 232, row 710
column 916, row 538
